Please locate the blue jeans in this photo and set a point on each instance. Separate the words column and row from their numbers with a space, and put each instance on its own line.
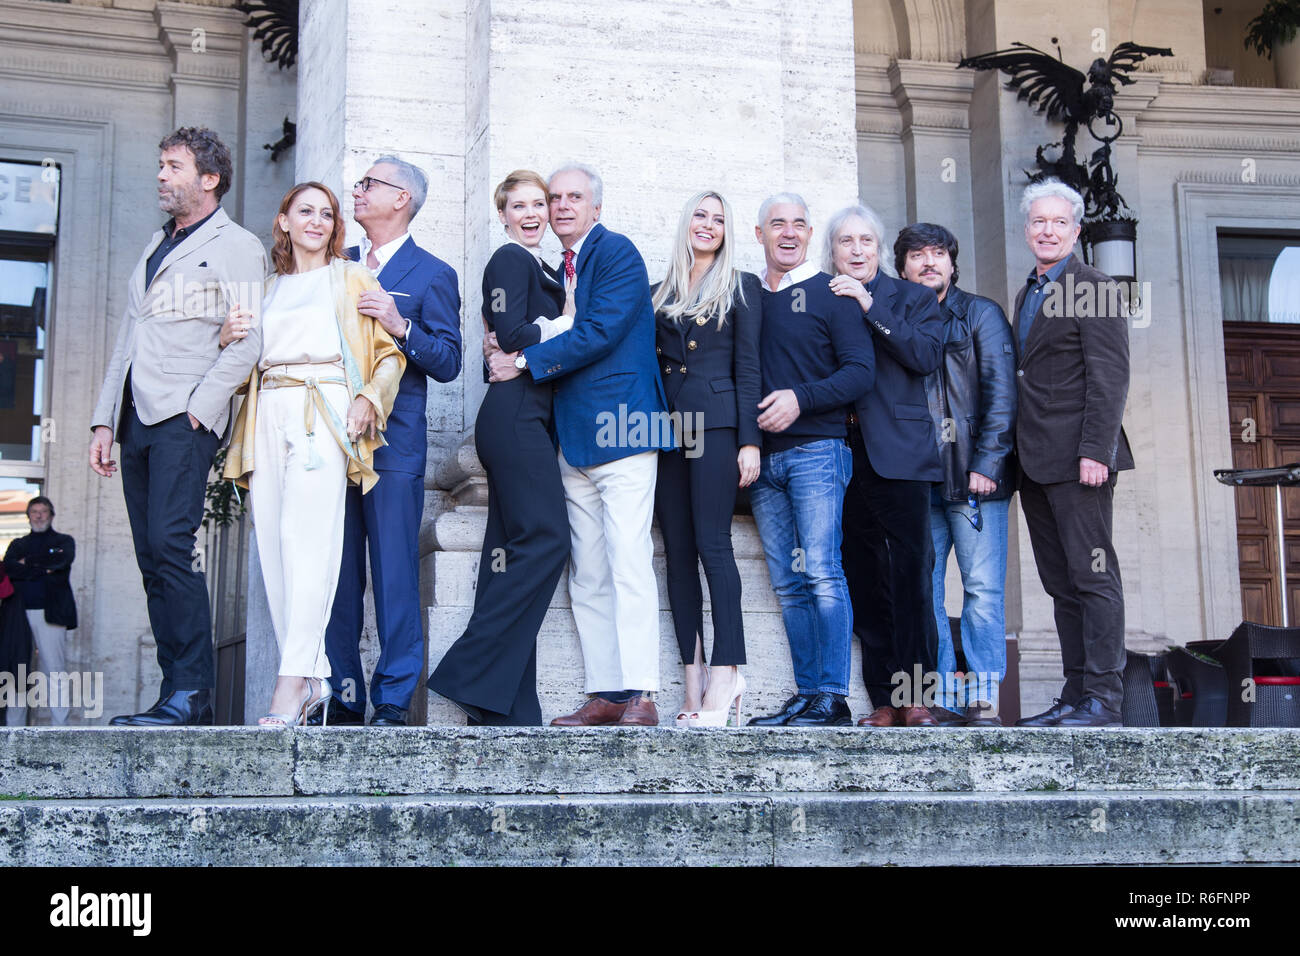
column 982, row 558
column 797, row 502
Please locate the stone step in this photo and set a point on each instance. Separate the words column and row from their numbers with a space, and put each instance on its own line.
column 1134, row 827
column 192, row 763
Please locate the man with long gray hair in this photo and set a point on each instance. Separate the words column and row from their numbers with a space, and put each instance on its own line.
column 888, row 557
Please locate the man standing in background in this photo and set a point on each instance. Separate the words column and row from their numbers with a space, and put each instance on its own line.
column 39, row 565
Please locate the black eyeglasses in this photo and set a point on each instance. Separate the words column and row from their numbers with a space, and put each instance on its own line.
column 976, row 520
column 366, row 182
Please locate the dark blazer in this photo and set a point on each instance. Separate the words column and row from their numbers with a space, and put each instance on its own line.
column 1072, row 381
column 972, row 396
column 609, row 398
column 432, row 350
column 518, row 288
column 907, row 332
column 48, row 559
column 714, row 371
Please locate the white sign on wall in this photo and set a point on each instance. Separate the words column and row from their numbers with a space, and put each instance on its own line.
column 29, row 198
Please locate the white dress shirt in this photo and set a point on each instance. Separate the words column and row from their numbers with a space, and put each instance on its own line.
column 383, row 254
column 804, row 270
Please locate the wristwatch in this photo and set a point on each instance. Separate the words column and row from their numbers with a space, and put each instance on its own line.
column 521, row 363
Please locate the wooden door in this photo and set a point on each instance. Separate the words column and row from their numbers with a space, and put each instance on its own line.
column 1263, row 362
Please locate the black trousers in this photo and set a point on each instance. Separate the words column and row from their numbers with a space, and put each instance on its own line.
column 491, row 670
column 888, row 558
column 1070, row 529
column 694, row 501
column 164, row 480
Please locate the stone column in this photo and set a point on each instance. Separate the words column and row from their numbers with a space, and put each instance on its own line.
column 206, row 49
column 934, row 99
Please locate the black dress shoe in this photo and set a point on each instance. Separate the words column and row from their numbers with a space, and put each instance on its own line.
column 1090, row 712
column 826, row 710
column 339, row 716
column 124, row 720
column 948, row 718
column 1049, row 717
column 388, row 715
column 793, row 707
column 182, row 708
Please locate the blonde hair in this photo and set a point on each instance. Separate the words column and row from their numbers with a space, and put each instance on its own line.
column 520, row 177
column 720, row 285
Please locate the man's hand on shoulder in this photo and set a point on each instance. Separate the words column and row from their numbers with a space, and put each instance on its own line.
column 382, row 307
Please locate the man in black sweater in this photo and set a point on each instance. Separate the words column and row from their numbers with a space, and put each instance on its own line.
column 816, row 361
column 38, row 564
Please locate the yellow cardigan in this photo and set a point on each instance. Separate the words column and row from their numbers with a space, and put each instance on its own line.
column 378, row 362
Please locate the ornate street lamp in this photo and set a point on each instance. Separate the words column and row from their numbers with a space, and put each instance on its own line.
column 1051, row 86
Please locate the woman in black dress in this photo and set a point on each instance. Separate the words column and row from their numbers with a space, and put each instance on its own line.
column 707, row 320
column 491, row 670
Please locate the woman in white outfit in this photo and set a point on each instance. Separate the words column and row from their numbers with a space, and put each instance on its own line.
column 315, row 407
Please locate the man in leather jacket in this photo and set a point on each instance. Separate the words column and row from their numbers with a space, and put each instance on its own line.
column 972, row 399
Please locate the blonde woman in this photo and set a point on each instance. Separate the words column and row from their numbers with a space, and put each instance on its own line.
column 316, row 405
column 707, row 320
column 490, row 673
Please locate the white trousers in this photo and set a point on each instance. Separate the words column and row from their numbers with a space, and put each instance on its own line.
column 611, row 577
column 47, row 639
column 298, row 514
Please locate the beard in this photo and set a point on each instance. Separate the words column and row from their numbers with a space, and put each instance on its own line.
column 39, row 527
column 179, row 199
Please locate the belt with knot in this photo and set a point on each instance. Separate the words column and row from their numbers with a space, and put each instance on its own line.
column 314, row 401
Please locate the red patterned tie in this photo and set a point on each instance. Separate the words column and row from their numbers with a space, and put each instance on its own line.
column 569, row 271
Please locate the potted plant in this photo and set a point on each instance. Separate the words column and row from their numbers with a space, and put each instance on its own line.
column 1274, row 31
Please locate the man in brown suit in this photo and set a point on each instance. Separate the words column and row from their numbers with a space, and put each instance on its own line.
column 166, row 398
column 1072, row 381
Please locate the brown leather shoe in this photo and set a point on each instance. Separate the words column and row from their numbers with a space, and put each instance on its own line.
column 640, row 712
column 596, row 712
column 882, row 717
column 917, row 717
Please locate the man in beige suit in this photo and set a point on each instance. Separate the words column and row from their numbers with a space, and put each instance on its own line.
column 166, row 398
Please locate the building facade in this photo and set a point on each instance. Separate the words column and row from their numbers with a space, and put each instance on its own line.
column 834, row 99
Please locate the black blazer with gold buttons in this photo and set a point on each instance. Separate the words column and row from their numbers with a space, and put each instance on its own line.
column 714, row 371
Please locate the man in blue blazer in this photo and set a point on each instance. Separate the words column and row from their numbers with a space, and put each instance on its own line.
column 420, row 308
column 888, row 552
column 611, row 419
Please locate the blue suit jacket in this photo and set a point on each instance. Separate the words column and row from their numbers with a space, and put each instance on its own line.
column 432, row 303
column 897, row 430
column 609, row 398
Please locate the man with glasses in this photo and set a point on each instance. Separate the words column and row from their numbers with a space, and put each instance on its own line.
column 420, row 309
column 1072, row 382
column 972, row 399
